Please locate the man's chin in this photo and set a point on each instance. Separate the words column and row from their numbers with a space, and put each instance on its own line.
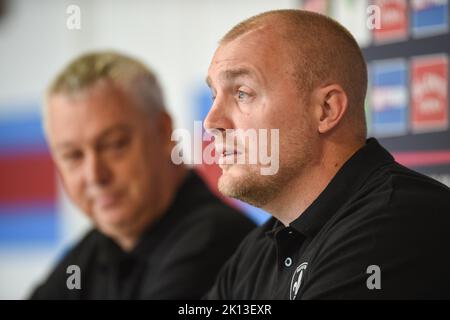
column 224, row 186
column 232, row 178
column 109, row 221
column 243, row 185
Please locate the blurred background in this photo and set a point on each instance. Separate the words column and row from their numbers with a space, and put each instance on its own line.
column 406, row 44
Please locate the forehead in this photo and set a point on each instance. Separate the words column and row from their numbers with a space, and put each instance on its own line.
column 88, row 114
column 257, row 51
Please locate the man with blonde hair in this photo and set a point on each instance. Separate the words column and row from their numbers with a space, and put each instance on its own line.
column 348, row 221
column 159, row 233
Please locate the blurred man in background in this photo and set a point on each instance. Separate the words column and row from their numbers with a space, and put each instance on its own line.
column 159, row 233
column 348, row 221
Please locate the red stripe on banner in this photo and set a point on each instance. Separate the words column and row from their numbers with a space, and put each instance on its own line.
column 422, row 158
column 27, row 178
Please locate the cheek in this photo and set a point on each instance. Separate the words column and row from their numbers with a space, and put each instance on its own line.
column 74, row 187
column 135, row 172
column 270, row 112
column 294, row 132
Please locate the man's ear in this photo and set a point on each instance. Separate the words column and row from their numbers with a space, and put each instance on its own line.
column 165, row 126
column 165, row 130
column 331, row 105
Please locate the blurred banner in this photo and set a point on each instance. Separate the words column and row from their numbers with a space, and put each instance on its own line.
column 27, row 182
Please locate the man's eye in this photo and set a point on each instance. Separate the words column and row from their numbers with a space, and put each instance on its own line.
column 117, row 144
column 72, row 156
column 243, row 95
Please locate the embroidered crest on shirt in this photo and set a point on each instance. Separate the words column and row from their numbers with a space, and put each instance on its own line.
column 296, row 281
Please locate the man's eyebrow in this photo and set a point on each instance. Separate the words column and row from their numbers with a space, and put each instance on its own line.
column 231, row 74
column 117, row 128
column 236, row 73
column 63, row 146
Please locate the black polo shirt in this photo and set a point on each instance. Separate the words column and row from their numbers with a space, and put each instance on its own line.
column 377, row 231
column 178, row 257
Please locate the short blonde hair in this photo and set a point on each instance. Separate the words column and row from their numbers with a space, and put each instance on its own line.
column 130, row 74
column 321, row 51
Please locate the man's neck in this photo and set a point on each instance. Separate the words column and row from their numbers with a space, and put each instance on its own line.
column 300, row 192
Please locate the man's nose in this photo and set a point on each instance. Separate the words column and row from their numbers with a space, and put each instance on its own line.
column 96, row 170
column 218, row 117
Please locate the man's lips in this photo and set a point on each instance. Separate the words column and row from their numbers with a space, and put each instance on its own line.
column 106, row 201
column 228, row 157
column 229, row 153
column 223, row 150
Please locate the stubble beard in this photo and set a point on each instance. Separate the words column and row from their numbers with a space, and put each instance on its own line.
column 260, row 190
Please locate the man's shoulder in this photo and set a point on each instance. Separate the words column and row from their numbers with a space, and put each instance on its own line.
column 395, row 186
column 202, row 217
column 217, row 211
column 407, row 181
column 87, row 244
column 80, row 252
column 395, row 204
column 80, row 255
column 398, row 220
column 410, row 188
column 256, row 242
column 214, row 221
column 205, row 205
